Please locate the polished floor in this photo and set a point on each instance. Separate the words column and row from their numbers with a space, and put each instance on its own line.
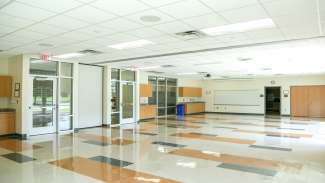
column 196, row 148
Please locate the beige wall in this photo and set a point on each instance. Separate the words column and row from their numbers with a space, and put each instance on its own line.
column 257, row 84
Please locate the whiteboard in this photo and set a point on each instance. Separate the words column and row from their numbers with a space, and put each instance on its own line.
column 90, row 96
column 237, row 97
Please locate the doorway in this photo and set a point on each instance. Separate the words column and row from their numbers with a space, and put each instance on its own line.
column 123, row 100
column 273, row 100
column 127, row 102
column 44, row 105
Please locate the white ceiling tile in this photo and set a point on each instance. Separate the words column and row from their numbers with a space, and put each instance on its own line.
column 246, row 13
column 173, row 27
column 46, row 29
column 90, row 14
column 27, row 12
column 205, row 21
column 121, row 24
column 96, row 30
column 157, row 3
column 75, row 35
column 290, row 7
column 7, row 20
column 4, row 29
column 5, row 44
column 57, row 6
column 24, row 36
column 218, row 5
column 163, row 17
column 66, row 22
column 145, row 32
column 186, row 8
column 120, row 7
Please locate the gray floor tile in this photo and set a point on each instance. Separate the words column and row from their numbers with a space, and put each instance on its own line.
column 168, row 144
column 112, row 161
column 19, row 158
column 271, row 148
column 255, row 170
column 146, row 133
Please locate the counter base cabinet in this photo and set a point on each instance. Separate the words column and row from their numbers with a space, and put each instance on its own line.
column 191, row 108
column 7, row 123
column 148, row 111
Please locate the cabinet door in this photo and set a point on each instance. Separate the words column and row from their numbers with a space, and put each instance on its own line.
column 299, row 101
column 145, row 90
column 316, row 101
column 5, row 86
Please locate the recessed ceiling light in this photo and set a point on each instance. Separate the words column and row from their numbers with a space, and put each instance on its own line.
column 69, row 55
column 239, row 27
column 150, row 18
column 132, row 44
column 46, row 45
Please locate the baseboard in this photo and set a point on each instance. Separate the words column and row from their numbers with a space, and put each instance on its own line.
column 234, row 113
column 15, row 136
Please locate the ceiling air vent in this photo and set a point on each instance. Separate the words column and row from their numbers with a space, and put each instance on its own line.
column 90, row 52
column 188, row 35
column 167, row 66
column 244, row 59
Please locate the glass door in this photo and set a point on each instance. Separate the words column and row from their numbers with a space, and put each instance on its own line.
column 44, row 105
column 127, row 102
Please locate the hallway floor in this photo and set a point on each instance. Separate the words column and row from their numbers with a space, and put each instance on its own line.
column 198, row 148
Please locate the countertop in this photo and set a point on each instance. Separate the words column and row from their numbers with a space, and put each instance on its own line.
column 7, row 110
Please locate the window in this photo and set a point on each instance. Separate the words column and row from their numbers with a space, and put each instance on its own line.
column 66, row 69
column 127, row 75
column 40, row 67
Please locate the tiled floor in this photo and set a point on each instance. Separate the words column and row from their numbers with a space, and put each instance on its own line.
column 199, row 148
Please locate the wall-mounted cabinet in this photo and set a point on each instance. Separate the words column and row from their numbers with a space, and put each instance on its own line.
column 7, row 123
column 189, row 92
column 145, row 90
column 148, row 111
column 5, row 86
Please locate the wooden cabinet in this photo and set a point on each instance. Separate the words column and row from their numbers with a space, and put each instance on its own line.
column 5, row 86
column 7, row 123
column 145, row 90
column 308, row 101
column 148, row 111
column 189, row 92
column 196, row 107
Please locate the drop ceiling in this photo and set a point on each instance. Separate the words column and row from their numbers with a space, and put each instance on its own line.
column 74, row 25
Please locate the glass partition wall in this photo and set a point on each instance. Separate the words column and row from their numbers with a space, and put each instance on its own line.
column 52, row 101
column 164, row 95
column 123, row 96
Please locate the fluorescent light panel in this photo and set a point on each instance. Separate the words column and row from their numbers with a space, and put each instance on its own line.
column 69, row 55
column 239, row 27
column 132, row 44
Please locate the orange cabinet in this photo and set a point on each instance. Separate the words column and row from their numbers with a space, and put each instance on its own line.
column 145, row 90
column 195, row 107
column 308, row 101
column 5, row 86
column 7, row 123
column 189, row 92
column 148, row 111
